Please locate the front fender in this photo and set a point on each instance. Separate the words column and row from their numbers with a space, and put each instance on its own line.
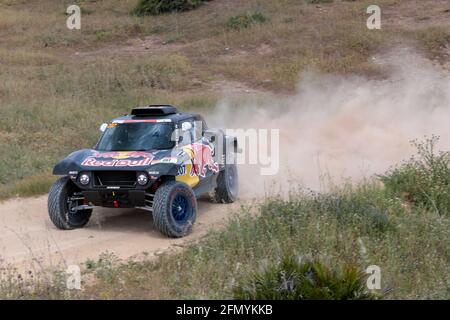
column 71, row 162
column 164, row 169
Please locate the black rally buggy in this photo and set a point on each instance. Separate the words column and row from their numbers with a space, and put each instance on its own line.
column 157, row 159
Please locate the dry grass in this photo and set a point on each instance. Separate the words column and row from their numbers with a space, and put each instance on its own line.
column 52, row 101
column 58, row 85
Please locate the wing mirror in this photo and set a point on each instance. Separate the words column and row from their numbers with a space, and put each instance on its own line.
column 103, row 127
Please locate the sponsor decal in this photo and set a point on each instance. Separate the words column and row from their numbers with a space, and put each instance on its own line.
column 118, row 159
column 123, row 155
column 111, row 125
column 182, row 170
column 202, row 159
column 166, row 160
column 93, row 162
column 141, row 121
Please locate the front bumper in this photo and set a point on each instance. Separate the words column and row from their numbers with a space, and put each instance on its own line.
column 116, row 198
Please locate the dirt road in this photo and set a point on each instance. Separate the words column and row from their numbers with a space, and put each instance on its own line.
column 28, row 238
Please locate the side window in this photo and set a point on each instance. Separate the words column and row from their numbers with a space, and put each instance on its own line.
column 198, row 130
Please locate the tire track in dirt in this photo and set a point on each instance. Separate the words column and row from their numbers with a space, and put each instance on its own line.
column 29, row 239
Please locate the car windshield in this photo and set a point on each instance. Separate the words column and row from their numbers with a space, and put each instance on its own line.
column 136, row 136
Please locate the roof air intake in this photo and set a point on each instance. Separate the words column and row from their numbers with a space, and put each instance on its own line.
column 154, row 111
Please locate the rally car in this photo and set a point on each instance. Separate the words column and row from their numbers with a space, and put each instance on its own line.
column 157, row 159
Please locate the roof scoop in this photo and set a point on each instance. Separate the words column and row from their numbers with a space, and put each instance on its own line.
column 154, row 110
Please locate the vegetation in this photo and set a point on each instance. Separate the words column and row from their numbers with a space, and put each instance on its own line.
column 58, row 85
column 424, row 180
column 318, row 1
column 37, row 184
column 246, row 20
column 294, row 280
column 435, row 38
column 155, row 7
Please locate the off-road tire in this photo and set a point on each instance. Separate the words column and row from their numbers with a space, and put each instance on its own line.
column 227, row 189
column 164, row 211
column 58, row 208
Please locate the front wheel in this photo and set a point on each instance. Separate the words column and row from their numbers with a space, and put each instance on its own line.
column 174, row 209
column 62, row 201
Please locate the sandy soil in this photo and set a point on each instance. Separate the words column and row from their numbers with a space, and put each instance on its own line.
column 29, row 239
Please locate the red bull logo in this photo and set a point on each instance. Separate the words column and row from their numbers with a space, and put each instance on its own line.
column 118, row 159
column 202, row 159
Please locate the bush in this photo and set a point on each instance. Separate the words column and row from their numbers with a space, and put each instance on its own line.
column 243, row 21
column 423, row 180
column 105, row 267
column 155, row 7
column 293, row 280
column 363, row 206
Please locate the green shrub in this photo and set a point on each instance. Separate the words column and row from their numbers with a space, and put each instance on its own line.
column 246, row 20
column 105, row 267
column 423, row 180
column 364, row 207
column 293, row 280
column 155, row 7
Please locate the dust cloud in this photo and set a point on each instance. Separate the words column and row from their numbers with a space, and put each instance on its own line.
column 337, row 128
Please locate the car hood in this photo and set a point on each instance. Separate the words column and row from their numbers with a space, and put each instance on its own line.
column 90, row 159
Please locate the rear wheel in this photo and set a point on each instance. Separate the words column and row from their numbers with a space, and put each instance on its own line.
column 227, row 185
column 174, row 209
column 63, row 198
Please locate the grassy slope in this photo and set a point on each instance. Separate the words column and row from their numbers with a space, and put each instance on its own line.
column 357, row 226
column 61, row 99
column 410, row 252
column 57, row 85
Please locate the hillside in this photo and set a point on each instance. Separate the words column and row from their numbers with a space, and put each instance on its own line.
column 352, row 190
column 60, row 84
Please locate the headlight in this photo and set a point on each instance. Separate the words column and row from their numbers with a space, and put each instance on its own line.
column 84, row 179
column 142, row 179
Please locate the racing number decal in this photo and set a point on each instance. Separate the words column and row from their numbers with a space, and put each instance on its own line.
column 185, row 176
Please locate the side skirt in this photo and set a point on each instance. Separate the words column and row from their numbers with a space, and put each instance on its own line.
column 206, row 185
